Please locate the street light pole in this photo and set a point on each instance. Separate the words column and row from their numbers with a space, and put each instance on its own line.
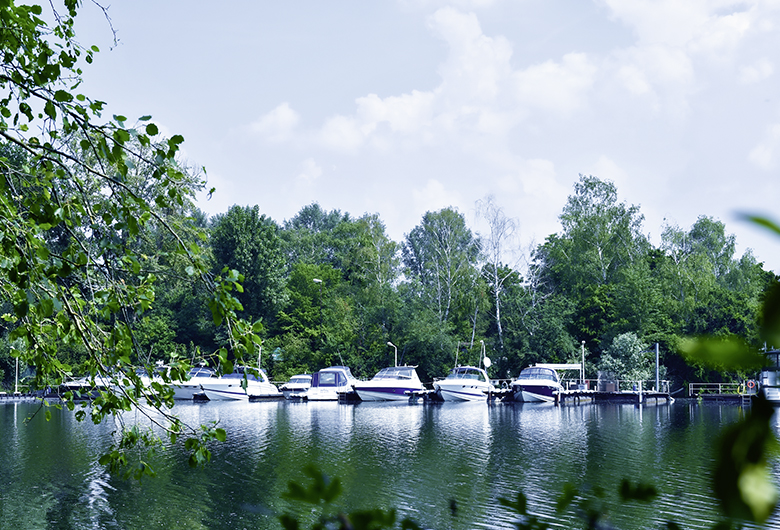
column 396, row 352
column 318, row 281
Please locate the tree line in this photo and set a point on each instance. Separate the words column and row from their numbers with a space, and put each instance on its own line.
column 326, row 288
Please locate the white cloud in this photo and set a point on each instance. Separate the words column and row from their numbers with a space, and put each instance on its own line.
column 310, row 171
column 433, row 197
column 480, row 93
column 278, row 125
column 634, row 79
column 756, row 72
column 607, row 169
column 555, row 86
column 700, row 26
column 664, row 75
column 764, row 155
column 477, row 65
column 406, row 113
column 342, row 133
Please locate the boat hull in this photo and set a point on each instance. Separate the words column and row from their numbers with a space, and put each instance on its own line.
column 384, row 394
column 530, row 393
column 771, row 394
column 219, row 393
column 325, row 394
column 462, row 393
column 230, row 388
column 295, row 393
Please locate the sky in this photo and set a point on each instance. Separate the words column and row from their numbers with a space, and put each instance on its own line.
column 399, row 107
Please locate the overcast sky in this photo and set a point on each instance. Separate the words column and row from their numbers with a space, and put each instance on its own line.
column 399, row 107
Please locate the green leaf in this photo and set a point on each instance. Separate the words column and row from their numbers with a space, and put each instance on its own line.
column 763, row 221
column 50, row 110
column 61, row 96
column 220, row 435
column 151, row 129
column 721, row 354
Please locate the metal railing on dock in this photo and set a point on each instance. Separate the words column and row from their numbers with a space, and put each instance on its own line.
column 741, row 392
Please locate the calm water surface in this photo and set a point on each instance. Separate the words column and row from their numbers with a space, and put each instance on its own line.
column 414, row 457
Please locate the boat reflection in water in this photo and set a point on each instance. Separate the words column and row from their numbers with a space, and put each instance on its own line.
column 421, row 459
column 395, row 383
column 464, row 383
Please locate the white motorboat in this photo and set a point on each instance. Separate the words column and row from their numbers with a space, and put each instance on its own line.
column 190, row 387
column 229, row 386
column 769, row 381
column 395, row 383
column 536, row 384
column 328, row 383
column 464, row 383
column 296, row 387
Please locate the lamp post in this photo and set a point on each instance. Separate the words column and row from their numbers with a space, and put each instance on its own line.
column 318, row 281
column 583, row 363
column 396, row 351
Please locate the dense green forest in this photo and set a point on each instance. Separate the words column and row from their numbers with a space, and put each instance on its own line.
column 329, row 288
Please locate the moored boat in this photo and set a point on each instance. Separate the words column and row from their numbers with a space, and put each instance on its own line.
column 296, row 387
column 464, row 383
column 536, row 384
column 229, row 386
column 395, row 383
column 328, row 383
column 191, row 387
column 769, row 379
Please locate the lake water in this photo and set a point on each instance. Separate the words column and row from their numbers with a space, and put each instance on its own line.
column 417, row 458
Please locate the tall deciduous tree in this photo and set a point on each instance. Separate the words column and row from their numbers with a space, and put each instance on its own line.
column 248, row 242
column 440, row 254
column 497, row 246
column 600, row 246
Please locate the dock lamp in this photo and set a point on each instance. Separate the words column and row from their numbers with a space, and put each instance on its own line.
column 396, row 352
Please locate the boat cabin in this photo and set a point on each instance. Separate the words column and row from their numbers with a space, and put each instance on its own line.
column 397, row 372
column 770, row 373
column 538, row 372
column 335, row 376
column 468, row 372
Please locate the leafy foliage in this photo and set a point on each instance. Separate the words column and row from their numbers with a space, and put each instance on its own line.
column 81, row 201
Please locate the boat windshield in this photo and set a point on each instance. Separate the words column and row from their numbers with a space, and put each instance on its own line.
column 301, row 380
column 539, row 373
column 249, row 376
column 200, row 371
column 328, row 379
column 396, row 372
column 467, row 373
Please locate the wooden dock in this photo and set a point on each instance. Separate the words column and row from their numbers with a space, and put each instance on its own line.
column 576, row 397
column 733, row 393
